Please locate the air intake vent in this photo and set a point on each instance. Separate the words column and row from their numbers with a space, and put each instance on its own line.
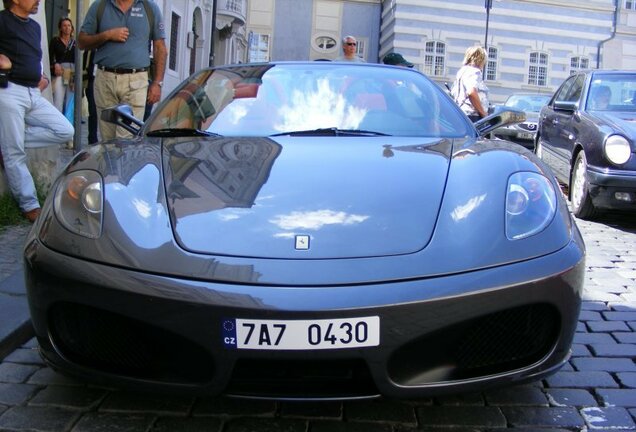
column 112, row 343
column 496, row 343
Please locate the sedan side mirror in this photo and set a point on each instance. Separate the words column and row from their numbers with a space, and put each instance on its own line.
column 565, row 106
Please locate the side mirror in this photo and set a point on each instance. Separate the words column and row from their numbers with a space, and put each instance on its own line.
column 122, row 115
column 565, row 106
column 501, row 117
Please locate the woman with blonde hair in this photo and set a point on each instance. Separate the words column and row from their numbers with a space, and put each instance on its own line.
column 469, row 90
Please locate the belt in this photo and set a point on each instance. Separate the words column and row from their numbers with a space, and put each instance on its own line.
column 122, row 70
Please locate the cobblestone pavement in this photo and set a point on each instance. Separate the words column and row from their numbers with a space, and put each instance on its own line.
column 595, row 391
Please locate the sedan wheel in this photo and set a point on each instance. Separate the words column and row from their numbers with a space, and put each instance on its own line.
column 582, row 206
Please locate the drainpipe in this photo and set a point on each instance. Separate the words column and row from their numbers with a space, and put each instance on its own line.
column 613, row 35
column 211, row 57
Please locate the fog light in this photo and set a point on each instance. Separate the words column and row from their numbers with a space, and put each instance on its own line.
column 623, row 196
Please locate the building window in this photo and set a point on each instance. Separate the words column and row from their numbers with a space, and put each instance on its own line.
column 538, row 69
column 174, row 41
column 435, row 58
column 259, row 47
column 630, row 4
column 491, row 64
column 578, row 63
column 326, row 43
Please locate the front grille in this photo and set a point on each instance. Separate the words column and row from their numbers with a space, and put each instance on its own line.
column 496, row 343
column 115, row 344
column 302, row 379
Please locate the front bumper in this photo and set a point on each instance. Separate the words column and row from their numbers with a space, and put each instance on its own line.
column 604, row 185
column 152, row 332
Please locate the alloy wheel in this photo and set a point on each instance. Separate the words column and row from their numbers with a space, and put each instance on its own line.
column 582, row 205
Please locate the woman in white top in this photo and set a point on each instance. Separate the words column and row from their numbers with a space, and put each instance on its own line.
column 469, row 90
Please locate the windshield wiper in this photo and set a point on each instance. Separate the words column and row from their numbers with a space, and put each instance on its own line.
column 331, row 132
column 178, row 132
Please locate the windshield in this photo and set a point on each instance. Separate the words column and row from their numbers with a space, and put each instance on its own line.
column 527, row 103
column 277, row 99
column 612, row 92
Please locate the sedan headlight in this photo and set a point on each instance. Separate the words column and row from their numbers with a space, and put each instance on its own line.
column 617, row 149
column 531, row 204
column 78, row 203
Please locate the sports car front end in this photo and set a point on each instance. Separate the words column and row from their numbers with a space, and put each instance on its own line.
column 309, row 264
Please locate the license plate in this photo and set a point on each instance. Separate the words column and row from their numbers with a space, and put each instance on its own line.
column 239, row 333
column 525, row 135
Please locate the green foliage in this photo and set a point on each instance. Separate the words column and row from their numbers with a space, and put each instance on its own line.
column 10, row 213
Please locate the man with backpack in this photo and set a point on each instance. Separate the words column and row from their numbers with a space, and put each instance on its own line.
column 119, row 31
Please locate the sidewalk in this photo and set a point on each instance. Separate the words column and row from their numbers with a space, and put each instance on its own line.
column 15, row 322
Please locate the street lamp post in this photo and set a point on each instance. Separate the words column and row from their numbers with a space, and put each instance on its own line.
column 488, row 6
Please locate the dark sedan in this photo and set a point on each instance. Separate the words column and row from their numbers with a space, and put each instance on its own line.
column 587, row 135
column 311, row 230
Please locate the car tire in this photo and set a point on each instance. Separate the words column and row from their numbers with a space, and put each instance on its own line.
column 582, row 206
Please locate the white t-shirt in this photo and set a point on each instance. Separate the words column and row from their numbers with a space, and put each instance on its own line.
column 469, row 77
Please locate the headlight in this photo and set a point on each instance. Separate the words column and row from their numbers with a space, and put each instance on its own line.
column 617, row 149
column 530, row 204
column 79, row 201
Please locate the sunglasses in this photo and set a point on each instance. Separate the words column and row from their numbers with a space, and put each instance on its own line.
column 351, row 43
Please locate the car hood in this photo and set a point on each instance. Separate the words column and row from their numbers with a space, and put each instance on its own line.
column 223, row 209
column 305, row 197
column 624, row 122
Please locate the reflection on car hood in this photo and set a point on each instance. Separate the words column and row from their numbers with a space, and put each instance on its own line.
column 622, row 122
column 332, row 197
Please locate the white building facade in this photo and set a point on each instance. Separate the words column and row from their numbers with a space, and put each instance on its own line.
column 533, row 45
column 230, row 39
column 189, row 31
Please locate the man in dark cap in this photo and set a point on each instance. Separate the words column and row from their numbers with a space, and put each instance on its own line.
column 396, row 59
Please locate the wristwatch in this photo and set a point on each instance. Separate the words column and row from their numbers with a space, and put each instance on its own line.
column 159, row 83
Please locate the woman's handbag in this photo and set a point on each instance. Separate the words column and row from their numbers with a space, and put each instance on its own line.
column 67, row 76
